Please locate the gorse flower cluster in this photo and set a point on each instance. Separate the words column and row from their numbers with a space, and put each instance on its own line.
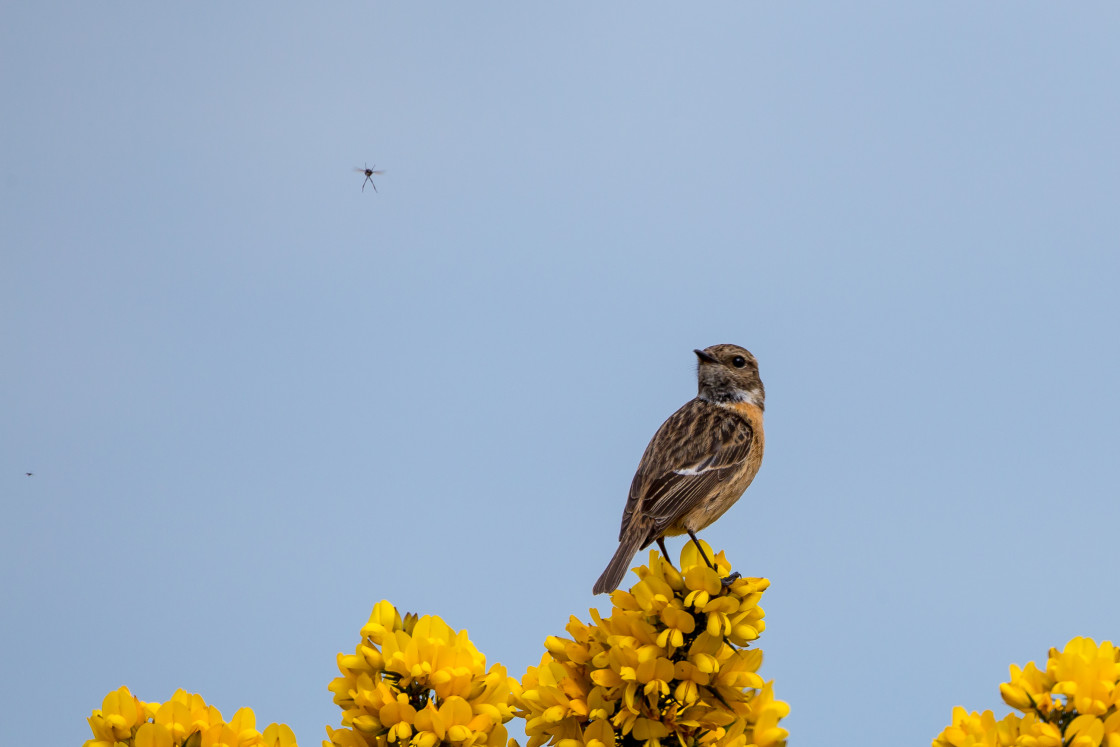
column 415, row 682
column 184, row 721
column 1074, row 702
column 670, row 664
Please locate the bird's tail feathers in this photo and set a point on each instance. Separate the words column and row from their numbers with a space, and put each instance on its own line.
column 627, row 547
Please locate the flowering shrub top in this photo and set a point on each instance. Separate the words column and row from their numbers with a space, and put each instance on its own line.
column 184, row 721
column 671, row 663
column 418, row 683
column 1074, row 702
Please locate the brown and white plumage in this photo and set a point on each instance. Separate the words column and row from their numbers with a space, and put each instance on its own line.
column 700, row 460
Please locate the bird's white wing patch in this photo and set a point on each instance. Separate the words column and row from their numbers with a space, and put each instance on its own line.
column 689, row 471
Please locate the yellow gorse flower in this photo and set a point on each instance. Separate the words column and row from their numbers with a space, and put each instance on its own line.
column 670, row 664
column 415, row 682
column 1073, row 702
column 184, row 721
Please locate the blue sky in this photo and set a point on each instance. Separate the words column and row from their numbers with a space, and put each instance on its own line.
column 256, row 400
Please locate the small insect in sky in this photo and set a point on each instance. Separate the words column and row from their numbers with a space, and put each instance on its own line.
column 369, row 176
column 29, row 474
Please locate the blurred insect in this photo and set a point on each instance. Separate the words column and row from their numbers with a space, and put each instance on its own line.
column 29, row 474
column 369, row 176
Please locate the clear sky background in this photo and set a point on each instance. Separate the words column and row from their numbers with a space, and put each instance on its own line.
column 256, row 400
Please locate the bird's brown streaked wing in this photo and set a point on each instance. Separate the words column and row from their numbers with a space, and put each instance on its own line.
column 650, row 467
column 710, row 445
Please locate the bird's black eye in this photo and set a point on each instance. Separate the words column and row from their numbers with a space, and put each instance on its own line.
column 738, row 361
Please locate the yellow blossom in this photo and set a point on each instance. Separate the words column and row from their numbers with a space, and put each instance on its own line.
column 184, row 721
column 416, row 682
column 670, row 666
column 1073, row 702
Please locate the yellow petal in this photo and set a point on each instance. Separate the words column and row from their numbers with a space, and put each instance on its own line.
column 279, row 735
column 1016, row 697
column 455, row 710
column 153, row 735
column 219, row 735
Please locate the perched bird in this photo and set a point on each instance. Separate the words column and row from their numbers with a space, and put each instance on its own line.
column 699, row 462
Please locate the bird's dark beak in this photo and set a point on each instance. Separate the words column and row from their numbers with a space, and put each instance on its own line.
column 705, row 357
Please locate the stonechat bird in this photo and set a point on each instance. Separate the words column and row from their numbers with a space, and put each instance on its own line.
column 699, row 462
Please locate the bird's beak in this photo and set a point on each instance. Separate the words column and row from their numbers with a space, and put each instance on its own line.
column 705, row 357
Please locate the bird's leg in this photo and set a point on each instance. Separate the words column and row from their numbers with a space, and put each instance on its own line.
column 725, row 581
column 700, row 547
column 664, row 552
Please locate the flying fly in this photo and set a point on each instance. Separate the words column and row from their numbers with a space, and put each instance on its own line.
column 369, row 176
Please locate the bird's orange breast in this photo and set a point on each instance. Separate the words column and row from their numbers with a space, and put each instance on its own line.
column 752, row 413
column 723, row 498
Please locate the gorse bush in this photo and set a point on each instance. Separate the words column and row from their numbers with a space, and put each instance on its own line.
column 1073, row 702
column 184, row 720
column 673, row 664
column 415, row 681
